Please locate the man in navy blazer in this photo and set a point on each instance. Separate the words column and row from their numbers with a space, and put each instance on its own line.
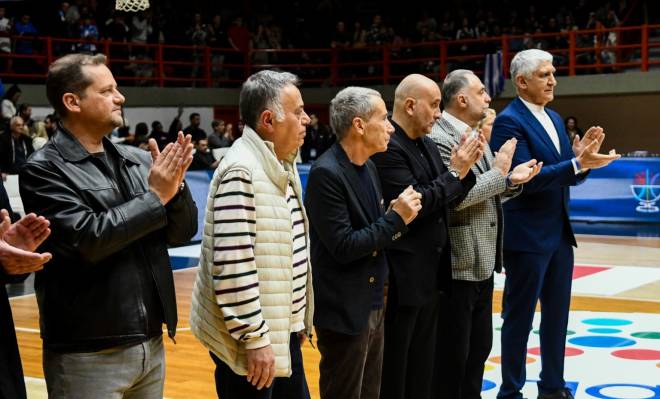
column 349, row 229
column 538, row 238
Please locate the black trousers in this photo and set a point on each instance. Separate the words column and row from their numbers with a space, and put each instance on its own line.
column 229, row 385
column 351, row 365
column 410, row 340
column 465, row 340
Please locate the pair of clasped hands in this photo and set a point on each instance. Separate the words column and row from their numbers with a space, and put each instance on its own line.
column 169, row 167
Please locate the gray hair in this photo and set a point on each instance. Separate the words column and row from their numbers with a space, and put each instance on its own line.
column 527, row 61
column 262, row 91
column 454, row 82
column 348, row 104
column 15, row 118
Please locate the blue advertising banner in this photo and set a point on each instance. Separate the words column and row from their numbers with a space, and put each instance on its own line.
column 627, row 190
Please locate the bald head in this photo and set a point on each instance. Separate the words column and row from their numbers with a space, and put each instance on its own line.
column 416, row 105
column 412, row 86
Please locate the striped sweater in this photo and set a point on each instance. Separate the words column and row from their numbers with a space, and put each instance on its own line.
column 235, row 277
column 254, row 286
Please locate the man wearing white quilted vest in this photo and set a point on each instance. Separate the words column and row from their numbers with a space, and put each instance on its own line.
column 252, row 304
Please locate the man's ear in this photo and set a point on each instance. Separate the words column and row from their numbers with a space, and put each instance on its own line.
column 358, row 124
column 71, row 102
column 521, row 81
column 266, row 119
column 409, row 105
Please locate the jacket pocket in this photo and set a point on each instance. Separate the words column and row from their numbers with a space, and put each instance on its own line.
column 462, row 247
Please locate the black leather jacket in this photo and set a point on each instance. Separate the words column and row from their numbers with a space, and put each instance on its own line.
column 109, row 246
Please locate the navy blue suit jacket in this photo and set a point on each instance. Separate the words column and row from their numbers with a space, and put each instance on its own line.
column 536, row 220
column 347, row 241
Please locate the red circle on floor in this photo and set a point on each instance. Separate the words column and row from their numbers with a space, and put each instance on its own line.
column 568, row 352
column 637, row 354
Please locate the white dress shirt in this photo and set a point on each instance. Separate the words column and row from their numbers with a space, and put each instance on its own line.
column 544, row 119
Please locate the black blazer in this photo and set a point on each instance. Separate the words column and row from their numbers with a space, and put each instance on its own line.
column 346, row 241
column 420, row 262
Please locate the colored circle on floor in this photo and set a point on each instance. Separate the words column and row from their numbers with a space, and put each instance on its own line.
column 637, row 354
column 487, row 385
column 602, row 330
column 488, row 367
column 601, row 341
column 647, row 334
column 607, row 322
column 568, row 332
column 617, row 391
column 569, row 351
column 498, row 328
column 498, row 359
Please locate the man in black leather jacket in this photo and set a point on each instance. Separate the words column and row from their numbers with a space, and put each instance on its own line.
column 113, row 210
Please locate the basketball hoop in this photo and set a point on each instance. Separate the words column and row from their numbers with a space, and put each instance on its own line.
column 132, row 5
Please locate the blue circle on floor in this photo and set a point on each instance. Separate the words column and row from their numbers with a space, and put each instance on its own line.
column 604, row 330
column 487, row 385
column 607, row 322
column 602, row 341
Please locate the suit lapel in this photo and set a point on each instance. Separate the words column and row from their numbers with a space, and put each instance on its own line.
column 354, row 182
column 564, row 143
column 537, row 128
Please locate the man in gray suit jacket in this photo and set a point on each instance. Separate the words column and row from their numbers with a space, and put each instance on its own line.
column 475, row 231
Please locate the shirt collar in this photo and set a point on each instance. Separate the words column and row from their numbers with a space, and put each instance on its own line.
column 533, row 108
column 458, row 124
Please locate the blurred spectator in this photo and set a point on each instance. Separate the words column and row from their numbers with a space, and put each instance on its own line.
column 89, row 32
column 198, row 32
column 140, row 28
column 239, row 35
column 219, row 138
column 340, row 38
column 72, row 13
column 193, row 129
column 317, row 140
column 15, row 146
column 572, row 128
column 5, row 32
column 116, row 29
column 203, row 158
column 176, row 126
column 50, row 124
column 25, row 112
column 40, row 136
column 359, row 35
column 24, row 28
column 485, row 125
column 141, row 134
column 218, row 39
column 229, row 129
column 10, row 102
column 158, row 134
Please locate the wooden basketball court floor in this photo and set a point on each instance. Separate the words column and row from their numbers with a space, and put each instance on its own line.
column 190, row 370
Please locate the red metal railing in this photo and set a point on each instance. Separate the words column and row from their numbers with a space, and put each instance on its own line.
column 577, row 51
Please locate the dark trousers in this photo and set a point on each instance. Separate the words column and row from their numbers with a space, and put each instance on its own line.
column 531, row 277
column 351, row 365
column 466, row 339
column 229, row 385
column 408, row 359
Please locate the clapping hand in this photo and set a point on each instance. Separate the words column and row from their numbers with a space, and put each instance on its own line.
column 19, row 240
column 504, row 156
column 466, row 153
column 525, row 171
column 169, row 167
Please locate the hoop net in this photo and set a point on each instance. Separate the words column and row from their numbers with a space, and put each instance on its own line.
column 132, row 5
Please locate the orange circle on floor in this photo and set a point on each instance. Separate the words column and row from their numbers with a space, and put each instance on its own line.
column 498, row 359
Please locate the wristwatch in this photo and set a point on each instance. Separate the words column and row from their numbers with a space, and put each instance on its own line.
column 455, row 173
